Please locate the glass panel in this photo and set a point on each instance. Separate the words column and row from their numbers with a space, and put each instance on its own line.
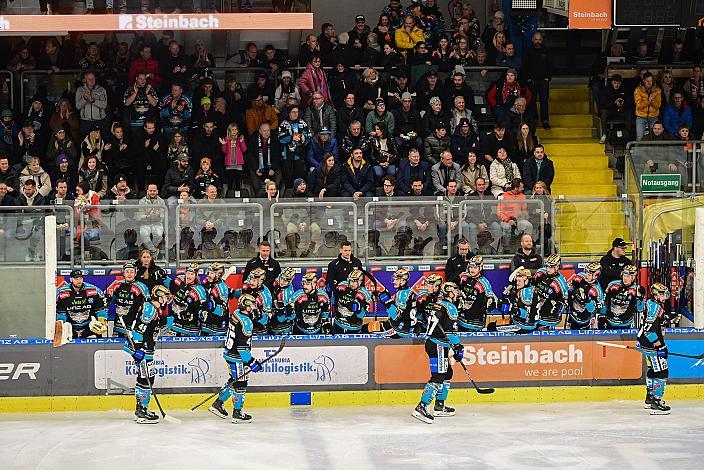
column 22, row 234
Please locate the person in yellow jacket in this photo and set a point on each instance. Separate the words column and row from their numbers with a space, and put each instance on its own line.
column 648, row 98
column 407, row 37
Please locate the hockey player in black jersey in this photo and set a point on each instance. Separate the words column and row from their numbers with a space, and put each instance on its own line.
column 351, row 302
column 400, row 308
column 652, row 343
column 441, row 342
column 518, row 303
column 477, row 297
column 623, row 301
column 312, row 307
column 128, row 297
column 550, row 292
column 144, row 333
column 254, row 286
column 215, row 314
column 238, row 355
column 283, row 314
column 585, row 298
column 426, row 298
column 81, row 307
column 189, row 300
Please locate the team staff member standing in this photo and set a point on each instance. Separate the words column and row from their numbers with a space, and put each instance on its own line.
column 341, row 267
column 613, row 262
column 263, row 260
column 457, row 264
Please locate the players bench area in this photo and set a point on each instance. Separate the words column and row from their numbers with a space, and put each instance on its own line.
column 344, row 370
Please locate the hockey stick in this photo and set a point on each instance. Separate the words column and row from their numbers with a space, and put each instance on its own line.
column 623, row 346
column 166, row 417
column 481, row 391
column 231, row 380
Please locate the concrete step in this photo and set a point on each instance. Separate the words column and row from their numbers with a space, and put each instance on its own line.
column 595, row 176
column 569, row 93
column 574, row 147
column 604, row 237
column 573, row 248
column 590, row 207
column 580, row 162
column 568, row 107
column 584, row 190
column 592, row 221
column 572, row 120
column 565, row 132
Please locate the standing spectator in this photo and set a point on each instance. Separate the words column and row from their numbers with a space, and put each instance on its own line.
column 263, row 158
column 293, row 134
column 140, row 101
column 412, row 169
column 538, row 168
column 508, row 58
column 357, row 176
column 408, row 125
column 151, row 227
column 396, row 12
column 464, row 140
column 457, row 264
column 325, row 180
column 148, row 272
column 265, row 261
column 397, row 89
column 261, row 113
column 343, row 81
column 147, row 65
column 677, row 113
column 175, row 110
column 348, row 112
column 481, row 216
column 207, row 144
column 29, row 143
column 428, row 89
column 526, row 142
column 205, row 178
column 615, row 103
column 407, row 37
column 436, row 143
column 340, row 268
column 513, row 211
column 234, row 147
column 91, row 101
column 180, row 177
column 537, row 71
column 613, row 262
column 287, row 89
column 358, row 34
column 322, row 144
column 694, row 86
column 119, row 157
column 320, row 114
column 502, row 172
column 148, row 143
column 472, row 170
column 308, row 49
column 526, row 256
column 313, row 79
column 648, row 98
column 445, row 171
column 174, row 68
column 178, row 145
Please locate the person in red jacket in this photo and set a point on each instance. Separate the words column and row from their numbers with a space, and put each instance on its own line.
column 146, row 65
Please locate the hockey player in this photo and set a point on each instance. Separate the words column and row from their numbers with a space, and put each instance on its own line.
column 623, row 300
column 82, row 306
column 518, row 303
column 400, row 308
column 189, row 300
column 441, row 337
column 550, row 292
column 585, row 298
column 128, row 297
column 652, row 343
column 238, row 355
column 144, row 333
column 254, row 286
column 214, row 315
column 426, row 298
column 351, row 301
column 476, row 297
column 283, row 315
column 311, row 306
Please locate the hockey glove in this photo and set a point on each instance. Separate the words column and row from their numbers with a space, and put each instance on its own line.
column 384, row 296
column 662, row 353
column 326, row 328
column 254, row 365
column 457, row 352
column 138, row 355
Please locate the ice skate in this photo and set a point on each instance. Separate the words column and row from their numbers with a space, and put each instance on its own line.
column 658, row 407
column 240, row 417
column 218, row 409
column 648, row 400
column 421, row 413
column 144, row 416
column 440, row 409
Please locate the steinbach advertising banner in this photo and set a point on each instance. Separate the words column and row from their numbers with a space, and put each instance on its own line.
column 138, row 22
column 206, row 368
column 590, row 14
column 514, row 362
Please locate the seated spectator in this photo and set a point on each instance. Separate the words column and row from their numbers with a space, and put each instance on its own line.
column 436, row 143
column 262, row 86
column 481, row 216
column 682, row 133
column 320, row 114
column 205, row 177
column 434, row 116
column 502, row 172
column 459, row 87
column 121, row 191
column 355, row 138
column 175, row 110
column 293, row 134
column 300, row 189
column 92, row 60
column 39, row 114
column 615, row 103
column 658, row 133
column 647, row 97
column 263, row 158
column 471, row 170
column 388, row 188
column 34, row 171
column 380, row 116
column 526, row 141
column 287, row 89
column 514, row 215
column 180, row 177
column 130, row 251
column 28, row 195
column 61, row 144
column 5, row 198
column 260, row 113
column 492, row 142
column 322, row 144
column 538, row 168
column 348, row 112
column 694, row 86
column 642, row 57
column 419, row 59
column 325, row 179
column 459, row 111
column 502, row 94
column 66, row 117
column 443, row 55
column 202, row 114
column 411, row 169
column 308, row 49
column 428, row 89
column 383, row 151
column 207, row 144
column 234, row 147
column 508, row 58
column 464, row 140
column 52, row 59
column 357, row 176
column 495, row 47
column 390, row 58
column 94, row 175
column 93, row 144
column 151, row 227
column 408, row 125
column 444, row 171
column 408, row 36
column 311, row 80
column 418, row 189
column 463, row 54
column 676, row 54
column 518, row 114
column 677, row 113
column 370, row 89
column 8, row 175
column 64, row 171
column 397, row 89
column 344, row 53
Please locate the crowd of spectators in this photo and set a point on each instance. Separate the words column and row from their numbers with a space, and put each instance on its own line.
column 382, row 110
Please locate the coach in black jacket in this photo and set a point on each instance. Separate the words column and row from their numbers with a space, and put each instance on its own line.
column 340, row 267
column 458, row 263
column 263, row 260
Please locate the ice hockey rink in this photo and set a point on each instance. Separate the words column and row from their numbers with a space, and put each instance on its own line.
column 609, row 435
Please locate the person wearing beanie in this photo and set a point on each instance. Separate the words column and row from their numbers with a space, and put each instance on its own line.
column 300, row 188
column 504, row 92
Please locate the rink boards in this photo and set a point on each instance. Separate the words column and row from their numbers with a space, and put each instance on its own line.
column 341, row 371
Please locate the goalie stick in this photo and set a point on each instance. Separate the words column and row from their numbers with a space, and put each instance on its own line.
column 481, row 391
column 624, row 346
column 231, row 380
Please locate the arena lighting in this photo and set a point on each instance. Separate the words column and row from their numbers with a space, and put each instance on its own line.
column 133, row 22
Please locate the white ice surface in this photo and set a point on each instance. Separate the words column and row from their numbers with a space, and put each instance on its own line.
column 612, row 435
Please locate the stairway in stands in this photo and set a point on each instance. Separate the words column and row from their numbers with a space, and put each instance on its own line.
column 581, row 171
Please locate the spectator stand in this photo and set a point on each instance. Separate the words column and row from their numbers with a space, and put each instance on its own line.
column 22, row 234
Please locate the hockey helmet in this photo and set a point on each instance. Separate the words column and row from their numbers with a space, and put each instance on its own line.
column 659, row 289
column 160, row 291
column 593, row 268
column 216, row 267
column 402, row 274
column 247, row 303
column 629, row 270
column 257, row 273
column 129, row 265
column 553, row 261
column 287, row 274
column 309, row 278
column 476, row 262
column 355, row 276
column 449, row 288
column 193, row 268
column 433, row 280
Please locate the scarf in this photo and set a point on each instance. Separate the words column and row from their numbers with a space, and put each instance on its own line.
column 264, row 144
column 508, row 168
column 510, row 89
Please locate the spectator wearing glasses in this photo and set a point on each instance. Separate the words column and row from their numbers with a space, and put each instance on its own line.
column 320, row 114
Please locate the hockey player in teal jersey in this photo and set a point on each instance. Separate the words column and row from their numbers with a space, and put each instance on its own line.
column 426, row 298
column 128, row 297
column 585, row 298
column 477, row 297
column 254, row 286
column 282, row 293
column 400, row 308
column 215, row 313
column 189, row 300
column 550, row 292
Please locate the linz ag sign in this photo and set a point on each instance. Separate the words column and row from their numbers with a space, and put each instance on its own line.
column 655, row 183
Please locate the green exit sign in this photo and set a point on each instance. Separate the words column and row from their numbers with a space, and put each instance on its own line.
column 655, row 183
